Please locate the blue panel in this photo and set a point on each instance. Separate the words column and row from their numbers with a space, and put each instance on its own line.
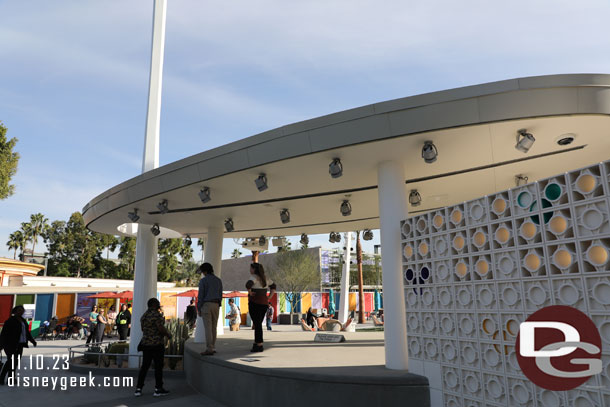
column 298, row 307
column 223, row 315
column 337, row 301
column 44, row 307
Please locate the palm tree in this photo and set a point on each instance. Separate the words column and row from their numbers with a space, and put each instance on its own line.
column 26, row 232
column 201, row 242
column 14, row 242
column 236, row 254
column 38, row 225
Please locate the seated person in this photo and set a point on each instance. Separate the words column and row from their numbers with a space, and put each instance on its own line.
column 310, row 318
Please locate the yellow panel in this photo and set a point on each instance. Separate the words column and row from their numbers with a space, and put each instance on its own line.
column 352, row 301
column 243, row 306
column 305, row 302
column 169, row 304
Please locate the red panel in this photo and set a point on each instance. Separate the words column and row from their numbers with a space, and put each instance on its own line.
column 274, row 303
column 6, row 304
column 325, row 300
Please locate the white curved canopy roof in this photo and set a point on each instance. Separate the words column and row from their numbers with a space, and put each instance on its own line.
column 474, row 129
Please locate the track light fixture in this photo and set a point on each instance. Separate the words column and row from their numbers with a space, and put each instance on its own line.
column 304, row 239
column 335, row 168
column 414, row 198
column 133, row 216
column 188, row 241
column 429, row 152
column 155, row 230
column 163, row 207
column 204, row 195
column 525, row 141
column 261, row 182
column 367, row 234
column 521, row 179
column 346, row 208
column 334, row 237
column 262, row 240
column 285, row 215
column 229, row 225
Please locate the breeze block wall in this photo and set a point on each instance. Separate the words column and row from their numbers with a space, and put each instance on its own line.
column 474, row 271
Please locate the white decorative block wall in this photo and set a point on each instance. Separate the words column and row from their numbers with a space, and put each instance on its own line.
column 474, row 271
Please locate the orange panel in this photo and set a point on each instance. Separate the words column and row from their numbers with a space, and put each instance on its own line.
column 169, row 304
column 65, row 307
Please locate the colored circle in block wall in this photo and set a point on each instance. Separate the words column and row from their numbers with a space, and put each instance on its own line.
column 479, row 239
column 421, row 225
column 461, row 269
column 512, row 327
column 558, row 224
column 409, row 274
column 498, row 206
column 423, row 249
column 502, row 235
column 586, row 183
column 553, row 191
column 532, row 262
column 597, row 255
column 562, row 258
column 489, row 326
column 406, row 229
column 477, row 211
column 528, row 230
column 592, row 219
column 456, row 216
column 568, row 293
column 546, row 216
column 424, row 273
column 408, row 251
column 482, row 267
column 524, row 199
column 601, row 292
column 458, row 242
column 438, row 221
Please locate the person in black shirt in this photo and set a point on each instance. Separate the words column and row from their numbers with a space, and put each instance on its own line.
column 191, row 314
column 14, row 337
column 123, row 322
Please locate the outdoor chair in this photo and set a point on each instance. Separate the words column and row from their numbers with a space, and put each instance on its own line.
column 376, row 321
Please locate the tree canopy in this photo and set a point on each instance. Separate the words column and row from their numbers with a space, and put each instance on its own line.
column 8, row 163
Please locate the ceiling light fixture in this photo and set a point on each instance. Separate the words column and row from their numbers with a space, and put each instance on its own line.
column 229, row 225
column 204, row 195
column 155, row 230
column 525, row 141
column 304, row 239
column 133, row 216
column 285, row 215
column 334, row 237
column 261, row 182
column 163, row 207
column 346, row 208
column 367, row 234
column 335, row 168
column 566, row 139
column 262, row 241
column 188, row 241
column 414, row 198
column 429, row 152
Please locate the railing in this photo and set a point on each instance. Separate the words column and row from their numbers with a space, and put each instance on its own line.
column 104, row 356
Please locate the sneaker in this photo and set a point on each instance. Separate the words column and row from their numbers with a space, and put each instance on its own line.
column 138, row 392
column 256, row 348
column 160, row 392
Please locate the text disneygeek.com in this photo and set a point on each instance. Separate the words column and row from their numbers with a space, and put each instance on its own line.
column 63, row 383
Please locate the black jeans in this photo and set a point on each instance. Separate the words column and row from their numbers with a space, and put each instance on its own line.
column 9, row 367
column 122, row 329
column 91, row 336
column 99, row 332
column 257, row 313
column 152, row 353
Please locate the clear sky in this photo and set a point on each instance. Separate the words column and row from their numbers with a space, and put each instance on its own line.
column 74, row 74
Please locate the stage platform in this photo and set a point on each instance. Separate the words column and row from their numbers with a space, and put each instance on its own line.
column 296, row 371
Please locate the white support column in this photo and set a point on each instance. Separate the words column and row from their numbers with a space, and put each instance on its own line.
column 213, row 255
column 392, row 209
column 144, row 285
column 153, row 115
column 145, row 276
column 344, row 297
